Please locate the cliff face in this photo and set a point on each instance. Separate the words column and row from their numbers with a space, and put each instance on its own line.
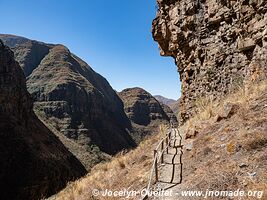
column 144, row 111
column 72, row 98
column 33, row 162
column 216, row 45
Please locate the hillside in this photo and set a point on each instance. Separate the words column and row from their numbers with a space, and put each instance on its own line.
column 164, row 100
column 144, row 111
column 225, row 133
column 73, row 100
column 226, row 144
column 33, row 162
column 67, row 135
column 171, row 103
column 220, row 50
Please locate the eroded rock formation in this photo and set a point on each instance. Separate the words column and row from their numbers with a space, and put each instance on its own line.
column 33, row 162
column 216, row 44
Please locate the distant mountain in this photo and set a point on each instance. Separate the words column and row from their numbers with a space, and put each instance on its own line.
column 173, row 104
column 165, row 100
column 175, row 107
column 144, row 111
column 73, row 99
column 33, row 162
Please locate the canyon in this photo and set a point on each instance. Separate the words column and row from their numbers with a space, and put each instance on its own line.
column 64, row 119
column 69, row 96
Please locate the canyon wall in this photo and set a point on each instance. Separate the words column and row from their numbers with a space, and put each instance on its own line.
column 33, row 162
column 217, row 45
column 72, row 99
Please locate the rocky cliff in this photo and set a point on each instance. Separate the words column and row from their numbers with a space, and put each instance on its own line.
column 72, row 98
column 33, row 162
column 144, row 111
column 216, row 45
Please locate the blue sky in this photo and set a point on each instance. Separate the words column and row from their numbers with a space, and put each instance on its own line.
column 112, row 36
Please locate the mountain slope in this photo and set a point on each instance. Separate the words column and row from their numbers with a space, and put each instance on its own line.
column 224, row 150
column 144, row 111
column 33, row 162
column 164, row 100
column 172, row 104
column 74, row 99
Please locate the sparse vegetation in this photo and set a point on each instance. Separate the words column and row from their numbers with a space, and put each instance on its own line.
column 237, row 142
column 219, row 148
column 230, row 147
column 125, row 170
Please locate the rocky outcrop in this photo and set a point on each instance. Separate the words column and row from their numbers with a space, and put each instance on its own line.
column 33, row 162
column 216, row 45
column 73, row 99
column 144, row 111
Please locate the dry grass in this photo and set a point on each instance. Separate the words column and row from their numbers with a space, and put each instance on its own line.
column 219, row 148
column 231, row 141
column 130, row 170
column 208, row 108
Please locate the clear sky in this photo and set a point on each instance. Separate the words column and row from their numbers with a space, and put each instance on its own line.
column 112, row 36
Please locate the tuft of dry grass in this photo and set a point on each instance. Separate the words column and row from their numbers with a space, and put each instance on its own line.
column 230, row 147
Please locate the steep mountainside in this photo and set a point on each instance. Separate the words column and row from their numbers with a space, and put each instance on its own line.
column 164, row 100
column 28, row 53
column 13, row 40
column 71, row 97
column 217, row 45
column 175, row 107
column 171, row 103
column 144, row 111
column 225, row 150
column 171, row 115
column 33, row 162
